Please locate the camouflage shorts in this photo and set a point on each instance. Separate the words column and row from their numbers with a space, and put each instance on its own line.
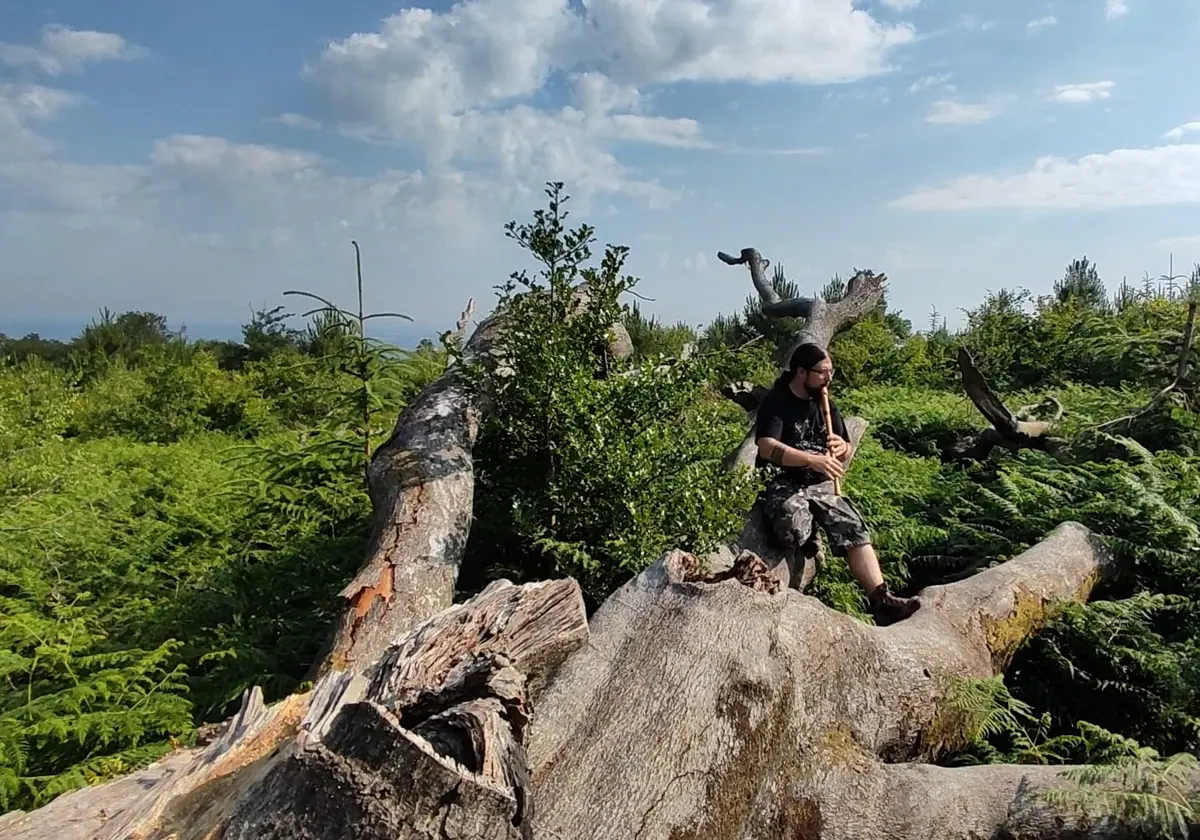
column 792, row 510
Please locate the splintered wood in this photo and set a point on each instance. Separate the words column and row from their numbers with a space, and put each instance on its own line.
column 432, row 743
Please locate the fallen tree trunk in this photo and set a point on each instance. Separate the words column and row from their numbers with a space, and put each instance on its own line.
column 703, row 706
column 764, row 715
column 422, row 483
column 434, row 747
column 429, row 744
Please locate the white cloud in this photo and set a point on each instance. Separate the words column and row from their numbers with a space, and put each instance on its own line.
column 1121, row 178
column 237, row 160
column 902, row 5
column 1083, row 93
column 456, row 85
column 21, row 105
column 1180, row 130
column 64, row 50
column 463, row 88
column 951, row 112
column 297, row 121
column 975, row 23
column 1041, row 23
column 208, row 213
column 934, row 80
column 1115, row 9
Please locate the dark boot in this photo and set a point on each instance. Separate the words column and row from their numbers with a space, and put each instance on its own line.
column 887, row 608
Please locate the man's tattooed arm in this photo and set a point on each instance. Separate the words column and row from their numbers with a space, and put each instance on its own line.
column 781, row 454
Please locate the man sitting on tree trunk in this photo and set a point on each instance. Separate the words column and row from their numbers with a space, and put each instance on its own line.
column 791, row 434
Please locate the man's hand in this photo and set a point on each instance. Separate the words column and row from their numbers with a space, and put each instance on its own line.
column 828, row 464
column 838, row 448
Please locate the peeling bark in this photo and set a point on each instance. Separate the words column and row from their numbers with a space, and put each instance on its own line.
column 178, row 795
column 434, row 747
column 430, row 742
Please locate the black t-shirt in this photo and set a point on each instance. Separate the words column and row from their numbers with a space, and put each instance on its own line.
column 798, row 423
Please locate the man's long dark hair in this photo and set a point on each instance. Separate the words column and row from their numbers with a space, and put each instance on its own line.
column 804, row 357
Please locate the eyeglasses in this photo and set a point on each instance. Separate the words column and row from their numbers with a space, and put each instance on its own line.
column 827, row 372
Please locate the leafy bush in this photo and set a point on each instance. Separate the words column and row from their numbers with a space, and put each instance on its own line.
column 173, row 393
column 36, row 404
column 587, row 465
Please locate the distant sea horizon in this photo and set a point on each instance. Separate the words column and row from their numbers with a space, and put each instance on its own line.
column 402, row 335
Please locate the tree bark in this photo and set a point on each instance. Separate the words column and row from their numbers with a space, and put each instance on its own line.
column 823, row 320
column 434, row 747
column 757, row 714
column 422, row 484
column 429, row 744
column 703, row 705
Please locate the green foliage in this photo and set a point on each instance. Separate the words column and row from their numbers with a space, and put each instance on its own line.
column 588, row 466
column 173, row 393
column 1142, row 788
column 35, row 404
column 1083, row 285
column 1119, row 779
column 175, row 521
column 92, row 535
column 991, row 726
column 651, row 339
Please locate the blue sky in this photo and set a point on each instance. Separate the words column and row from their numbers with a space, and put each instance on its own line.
column 199, row 158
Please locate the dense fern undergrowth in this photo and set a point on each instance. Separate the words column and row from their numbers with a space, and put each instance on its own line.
column 176, row 517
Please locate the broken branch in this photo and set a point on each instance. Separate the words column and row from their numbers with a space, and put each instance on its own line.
column 1007, row 430
column 1181, row 370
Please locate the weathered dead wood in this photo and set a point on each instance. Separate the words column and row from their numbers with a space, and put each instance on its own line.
column 1181, row 372
column 421, row 483
column 706, row 705
column 823, row 320
column 717, row 710
column 434, row 747
column 1006, row 802
column 748, row 395
column 185, row 789
column 1008, row 430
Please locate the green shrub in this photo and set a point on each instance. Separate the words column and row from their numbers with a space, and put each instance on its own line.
column 585, row 465
column 36, row 404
